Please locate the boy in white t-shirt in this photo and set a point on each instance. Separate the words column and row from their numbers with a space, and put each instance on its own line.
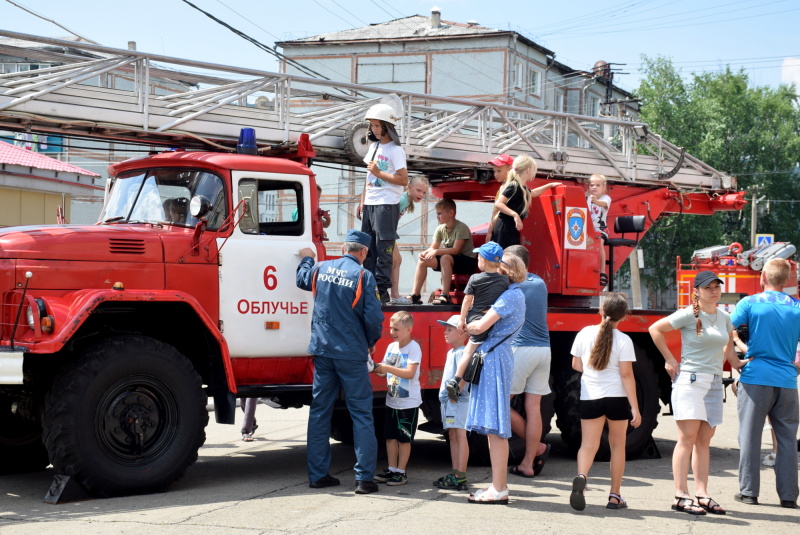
column 387, row 175
column 403, row 397
column 605, row 356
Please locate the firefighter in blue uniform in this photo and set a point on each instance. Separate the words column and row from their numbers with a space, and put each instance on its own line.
column 346, row 323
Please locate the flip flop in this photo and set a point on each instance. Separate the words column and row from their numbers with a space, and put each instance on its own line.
column 489, row 497
column 517, row 472
column 538, row 461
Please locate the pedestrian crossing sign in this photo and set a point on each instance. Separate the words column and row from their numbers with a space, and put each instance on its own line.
column 764, row 239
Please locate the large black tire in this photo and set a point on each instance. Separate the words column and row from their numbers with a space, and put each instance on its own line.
column 21, row 446
column 128, row 417
column 637, row 439
column 342, row 425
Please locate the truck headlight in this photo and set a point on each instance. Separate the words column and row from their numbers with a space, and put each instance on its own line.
column 46, row 322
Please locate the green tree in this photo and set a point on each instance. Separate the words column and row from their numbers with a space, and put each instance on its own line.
column 749, row 132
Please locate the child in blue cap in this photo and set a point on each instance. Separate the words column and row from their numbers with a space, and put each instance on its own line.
column 481, row 292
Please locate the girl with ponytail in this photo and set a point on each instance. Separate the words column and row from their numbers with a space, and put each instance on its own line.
column 605, row 357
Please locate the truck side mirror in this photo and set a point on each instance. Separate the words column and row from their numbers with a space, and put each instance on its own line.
column 248, row 192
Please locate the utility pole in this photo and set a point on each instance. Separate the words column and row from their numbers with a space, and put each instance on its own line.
column 753, row 217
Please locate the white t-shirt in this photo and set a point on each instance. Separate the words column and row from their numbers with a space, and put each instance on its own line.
column 598, row 213
column 390, row 157
column 606, row 383
column 403, row 393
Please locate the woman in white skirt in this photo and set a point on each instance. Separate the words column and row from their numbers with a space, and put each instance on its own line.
column 697, row 388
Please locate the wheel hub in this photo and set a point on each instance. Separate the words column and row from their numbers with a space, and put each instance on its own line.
column 136, row 421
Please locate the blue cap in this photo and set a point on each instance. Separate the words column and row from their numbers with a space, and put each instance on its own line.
column 490, row 251
column 356, row 236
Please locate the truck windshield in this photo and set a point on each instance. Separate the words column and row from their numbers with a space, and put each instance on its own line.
column 163, row 196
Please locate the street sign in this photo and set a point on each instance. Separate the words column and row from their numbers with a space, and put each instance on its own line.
column 764, row 239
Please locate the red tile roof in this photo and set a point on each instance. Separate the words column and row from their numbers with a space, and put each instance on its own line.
column 12, row 155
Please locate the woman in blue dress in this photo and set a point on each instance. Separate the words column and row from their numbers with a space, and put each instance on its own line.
column 490, row 400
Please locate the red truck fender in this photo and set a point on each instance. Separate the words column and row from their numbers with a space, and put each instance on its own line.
column 77, row 306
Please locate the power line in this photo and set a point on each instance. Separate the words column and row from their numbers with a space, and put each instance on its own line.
column 35, row 14
column 262, row 46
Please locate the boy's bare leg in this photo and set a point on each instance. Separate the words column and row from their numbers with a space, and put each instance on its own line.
column 421, row 274
column 459, row 453
column 446, row 268
column 392, row 452
column 404, row 454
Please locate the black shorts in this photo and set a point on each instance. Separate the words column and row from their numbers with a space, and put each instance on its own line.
column 611, row 408
column 400, row 424
column 462, row 264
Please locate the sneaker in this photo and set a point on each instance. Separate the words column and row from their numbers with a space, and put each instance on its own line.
column 400, row 301
column 769, row 460
column 452, row 389
column 384, row 476
column 397, row 479
column 451, row 482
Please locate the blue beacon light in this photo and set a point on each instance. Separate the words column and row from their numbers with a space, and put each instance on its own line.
column 247, row 142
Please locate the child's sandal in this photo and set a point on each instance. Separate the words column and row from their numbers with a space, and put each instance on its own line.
column 620, row 502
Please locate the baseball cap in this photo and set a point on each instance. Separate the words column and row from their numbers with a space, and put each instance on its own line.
column 502, row 159
column 452, row 321
column 704, row 278
column 490, row 251
column 356, row 236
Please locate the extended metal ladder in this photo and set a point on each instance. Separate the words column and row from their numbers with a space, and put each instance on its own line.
column 444, row 137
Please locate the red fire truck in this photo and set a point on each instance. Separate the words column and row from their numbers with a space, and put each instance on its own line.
column 114, row 335
column 739, row 269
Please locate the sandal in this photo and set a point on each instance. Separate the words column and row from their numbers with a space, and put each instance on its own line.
column 538, row 461
column 248, row 437
column 685, row 504
column 603, row 279
column 442, row 299
column 576, row 499
column 619, row 504
column 710, row 506
column 489, row 497
column 414, row 299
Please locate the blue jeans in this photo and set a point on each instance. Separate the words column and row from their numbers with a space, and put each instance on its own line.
column 351, row 376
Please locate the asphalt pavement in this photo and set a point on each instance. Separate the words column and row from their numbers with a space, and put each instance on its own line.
column 261, row 487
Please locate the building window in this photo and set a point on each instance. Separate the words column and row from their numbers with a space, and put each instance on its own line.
column 533, row 82
column 594, row 107
column 517, row 75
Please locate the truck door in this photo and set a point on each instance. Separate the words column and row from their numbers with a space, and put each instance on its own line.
column 263, row 312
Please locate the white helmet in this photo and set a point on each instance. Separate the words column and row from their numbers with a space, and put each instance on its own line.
column 382, row 112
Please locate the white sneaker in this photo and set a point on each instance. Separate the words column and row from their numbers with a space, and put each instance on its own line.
column 400, row 301
column 769, row 460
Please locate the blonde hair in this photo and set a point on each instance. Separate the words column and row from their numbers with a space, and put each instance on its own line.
column 416, row 179
column 513, row 268
column 614, row 308
column 601, row 178
column 777, row 271
column 403, row 318
column 521, row 163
